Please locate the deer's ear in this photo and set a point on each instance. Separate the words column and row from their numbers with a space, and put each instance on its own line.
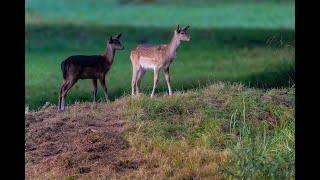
column 178, row 28
column 186, row 28
column 110, row 40
column 118, row 36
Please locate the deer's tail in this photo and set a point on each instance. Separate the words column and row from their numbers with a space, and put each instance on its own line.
column 64, row 69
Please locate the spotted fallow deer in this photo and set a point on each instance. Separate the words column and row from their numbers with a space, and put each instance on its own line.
column 88, row 67
column 155, row 57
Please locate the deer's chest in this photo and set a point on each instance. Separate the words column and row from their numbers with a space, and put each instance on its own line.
column 168, row 61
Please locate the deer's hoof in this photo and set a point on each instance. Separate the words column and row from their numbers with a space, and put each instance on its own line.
column 62, row 108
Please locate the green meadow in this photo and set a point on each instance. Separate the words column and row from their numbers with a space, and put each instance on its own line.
column 249, row 43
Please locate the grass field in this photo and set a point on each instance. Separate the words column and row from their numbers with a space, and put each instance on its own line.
column 221, row 132
column 230, row 58
column 256, row 49
column 264, row 14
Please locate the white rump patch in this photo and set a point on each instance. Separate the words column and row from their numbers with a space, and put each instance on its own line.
column 147, row 63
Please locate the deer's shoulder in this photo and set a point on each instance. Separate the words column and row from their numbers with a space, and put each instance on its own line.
column 162, row 47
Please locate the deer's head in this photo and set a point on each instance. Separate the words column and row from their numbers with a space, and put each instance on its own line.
column 115, row 43
column 182, row 33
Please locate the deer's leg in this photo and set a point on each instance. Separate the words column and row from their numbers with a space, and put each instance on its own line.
column 140, row 74
column 65, row 90
column 60, row 94
column 94, row 83
column 134, row 77
column 155, row 80
column 167, row 77
column 104, row 87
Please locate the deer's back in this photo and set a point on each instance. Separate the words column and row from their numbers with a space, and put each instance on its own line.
column 149, row 50
column 85, row 60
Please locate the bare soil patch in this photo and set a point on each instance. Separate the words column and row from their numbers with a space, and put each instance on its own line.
column 84, row 141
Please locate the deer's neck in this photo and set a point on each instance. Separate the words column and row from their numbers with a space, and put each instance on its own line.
column 172, row 47
column 109, row 54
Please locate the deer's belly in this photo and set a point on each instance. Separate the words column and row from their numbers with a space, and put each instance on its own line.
column 89, row 74
column 147, row 63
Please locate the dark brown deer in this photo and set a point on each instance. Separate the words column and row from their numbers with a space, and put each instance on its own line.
column 88, row 67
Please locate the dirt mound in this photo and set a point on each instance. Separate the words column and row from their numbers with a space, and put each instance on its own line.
column 82, row 141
